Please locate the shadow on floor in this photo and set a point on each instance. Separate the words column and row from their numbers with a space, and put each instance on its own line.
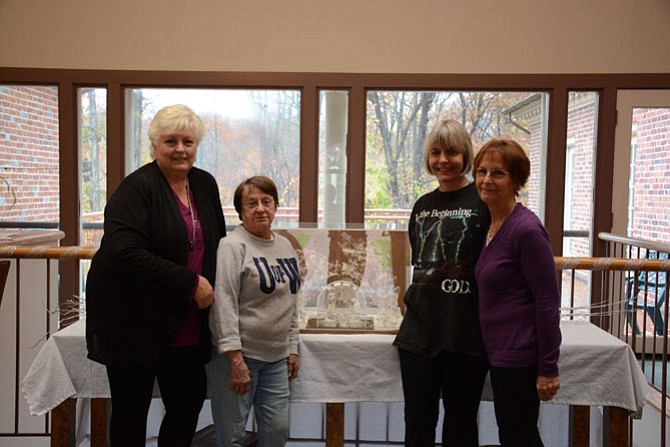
column 207, row 438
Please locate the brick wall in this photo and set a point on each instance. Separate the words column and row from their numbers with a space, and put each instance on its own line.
column 29, row 153
column 579, row 182
column 651, row 196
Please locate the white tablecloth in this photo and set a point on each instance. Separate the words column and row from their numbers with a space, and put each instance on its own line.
column 596, row 369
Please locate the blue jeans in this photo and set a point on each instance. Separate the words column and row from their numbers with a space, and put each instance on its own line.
column 269, row 395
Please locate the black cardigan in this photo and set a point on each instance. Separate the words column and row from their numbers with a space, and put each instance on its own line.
column 138, row 286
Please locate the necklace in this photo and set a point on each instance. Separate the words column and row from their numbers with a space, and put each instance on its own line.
column 191, row 242
column 491, row 233
column 494, row 228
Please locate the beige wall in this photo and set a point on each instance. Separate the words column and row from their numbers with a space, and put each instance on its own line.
column 389, row 36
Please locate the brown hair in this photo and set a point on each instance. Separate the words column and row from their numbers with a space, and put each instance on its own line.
column 513, row 156
column 261, row 182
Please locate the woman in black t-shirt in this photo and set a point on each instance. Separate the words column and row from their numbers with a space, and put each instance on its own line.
column 439, row 341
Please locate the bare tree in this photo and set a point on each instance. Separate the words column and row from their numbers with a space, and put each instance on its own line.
column 278, row 120
column 482, row 113
column 92, row 146
column 399, row 122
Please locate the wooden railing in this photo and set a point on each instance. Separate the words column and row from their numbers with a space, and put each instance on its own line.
column 29, row 312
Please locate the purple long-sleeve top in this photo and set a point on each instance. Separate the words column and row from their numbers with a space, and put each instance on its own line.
column 519, row 300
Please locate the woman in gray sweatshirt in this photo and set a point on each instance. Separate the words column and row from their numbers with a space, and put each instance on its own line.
column 254, row 322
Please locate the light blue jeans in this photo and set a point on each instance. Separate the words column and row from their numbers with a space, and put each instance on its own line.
column 269, row 396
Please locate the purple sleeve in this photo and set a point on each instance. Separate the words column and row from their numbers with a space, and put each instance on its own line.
column 539, row 270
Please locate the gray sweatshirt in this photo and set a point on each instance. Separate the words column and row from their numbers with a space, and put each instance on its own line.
column 255, row 297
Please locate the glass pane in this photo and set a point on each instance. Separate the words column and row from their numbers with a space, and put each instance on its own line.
column 578, row 207
column 29, row 157
column 247, row 132
column 333, row 112
column 354, row 278
column 93, row 163
column 92, row 128
column 649, row 201
column 649, row 213
column 398, row 122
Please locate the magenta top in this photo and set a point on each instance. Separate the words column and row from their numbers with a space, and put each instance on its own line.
column 188, row 333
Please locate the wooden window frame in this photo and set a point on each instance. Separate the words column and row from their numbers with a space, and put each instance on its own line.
column 557, row 86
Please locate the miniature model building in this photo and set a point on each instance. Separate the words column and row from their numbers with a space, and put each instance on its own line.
column 350, row 278
column 345, row 307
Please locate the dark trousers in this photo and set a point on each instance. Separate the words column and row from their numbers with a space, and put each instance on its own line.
column 183, row 385
column 517, row 406
column 459, row 379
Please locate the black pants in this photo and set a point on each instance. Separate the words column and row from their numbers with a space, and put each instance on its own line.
column 459, row 379
column 183, row 385
column 517, row 406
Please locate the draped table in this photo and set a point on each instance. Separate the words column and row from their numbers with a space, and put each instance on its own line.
column 596, row 369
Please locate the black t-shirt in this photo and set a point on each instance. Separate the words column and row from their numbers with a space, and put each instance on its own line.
column 447, row 232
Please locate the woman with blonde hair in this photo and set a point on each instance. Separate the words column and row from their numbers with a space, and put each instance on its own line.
column 149, row 287
column 439, row 340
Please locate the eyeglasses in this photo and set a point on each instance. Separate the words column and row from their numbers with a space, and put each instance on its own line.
column 253, row 204
column 496, row 174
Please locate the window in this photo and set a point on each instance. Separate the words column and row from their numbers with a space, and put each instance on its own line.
column 398, row 122
column 92, row 163
column 29, row 158
column 578, row 205
column 92, row 142
column 247, row 132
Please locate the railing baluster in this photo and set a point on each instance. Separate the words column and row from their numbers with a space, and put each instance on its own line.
column 17, row 350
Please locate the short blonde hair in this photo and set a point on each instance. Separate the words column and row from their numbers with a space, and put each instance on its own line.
column 172, row 119
column 451, row 135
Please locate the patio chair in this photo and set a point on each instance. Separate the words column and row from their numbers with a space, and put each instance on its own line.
column 647, row 290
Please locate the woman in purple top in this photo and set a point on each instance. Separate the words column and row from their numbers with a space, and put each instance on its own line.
column 519, row 302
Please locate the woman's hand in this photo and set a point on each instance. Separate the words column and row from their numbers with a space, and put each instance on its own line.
column 293, row 366
column 204, row 293
column 240, row 380
column 547, row 387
